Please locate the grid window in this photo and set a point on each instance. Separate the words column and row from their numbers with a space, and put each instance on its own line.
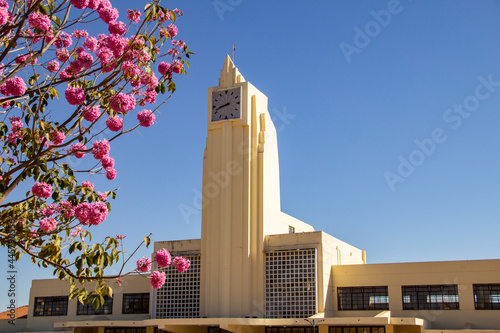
column 180, row 295
column 291, row 284
column 363, row 298
column 125, row 330
column 51, row 306
column 291, row 230
column 487, row 296
column 356, row 329
column 135, row 303
column 87, row 309
column 299, row 329
column 434, row 297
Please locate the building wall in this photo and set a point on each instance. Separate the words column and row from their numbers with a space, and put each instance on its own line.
column 55, row 287
column 462, row 273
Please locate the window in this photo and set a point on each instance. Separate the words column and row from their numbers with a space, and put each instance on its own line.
column 434, row 297
column 487, row 296
column 290, row 283
column 135, row 303
column 125, row 330
column 180, row 295
column 291, row 230
column 354, row 329
column 363, row 298
column 51, row 306
column 87, row 309
column 299, row 329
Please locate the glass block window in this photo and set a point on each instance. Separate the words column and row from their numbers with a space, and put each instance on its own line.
column 180, row 295
column 487, row 296
column 291, row 284
column 356, row 329
column 87, row 309
column 433, row 297
column 51, row 306
column 363, row 298
column 135, row 303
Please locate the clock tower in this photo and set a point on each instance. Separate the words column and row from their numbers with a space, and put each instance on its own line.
column 241, row 201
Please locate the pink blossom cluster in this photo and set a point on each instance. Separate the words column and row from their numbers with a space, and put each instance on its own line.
column 49, row 210
column 144, row 264
column 48, row 225
column 57, row 138
column 91, row 113
column 120, row 236
column 53, row 66
column 14, row 86
column 66, row 209
column 22, row 58
column 91, row 213
column 39, row 21
column 122, row 103
column 42, row 190
column 163, row 258
column 146, row 118
column 134, row 15
column 117, row 28
column 100, row 150
column 80, row 34
column 77, row 149
column 114, row 123
column 5, row 15
column 157, row 279
column 88, row 184
column 75, row 232
column 75, row 95
column 181, row 263
column 16, row 128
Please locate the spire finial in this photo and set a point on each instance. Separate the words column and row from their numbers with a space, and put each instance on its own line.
column 233, row 49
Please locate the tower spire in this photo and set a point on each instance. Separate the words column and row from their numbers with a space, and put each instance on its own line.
column 229, row 75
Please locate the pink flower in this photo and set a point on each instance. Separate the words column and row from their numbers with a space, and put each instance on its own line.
column 110, row 173
column 80, row 33
column 119, row 281
column 94, row 4
column 85, row 60
column 91, row 44
column 63, row 40
column 134, row 15
column 108, row 15
column 114, row 123
column 77, row 149
column 150, row 97
column 82, row 212
column 49, row 210
column 62, row 55
column 53, row 66
column 57, row 137
column 102, row 196
column 87, row 184
column 157, row 279
column 80, row 4
column 76, row 231
column 176, row 66
column 146, row 118
column 117, row 28
column 98, row 213
column 144, row 264
column 48, row 225
column 107, row 162
column 181, row 263
column 14, row 86
column 130, row 69
column 164, row 68
column 42, row 190
column 75, row 95
column 5, row 16
column 100, row 149
column 163, row 258
column 122, row 103
column 120, row 237
column 66, row 209
column 172, row 30
column 39, row 21
column 91, row 113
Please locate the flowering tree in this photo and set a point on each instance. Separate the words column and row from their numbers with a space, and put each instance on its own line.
column 44, row 52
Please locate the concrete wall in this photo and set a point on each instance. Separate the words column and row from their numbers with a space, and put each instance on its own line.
column 55, row 287
column 462, row 273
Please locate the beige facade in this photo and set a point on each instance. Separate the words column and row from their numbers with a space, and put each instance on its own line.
column 257, row 269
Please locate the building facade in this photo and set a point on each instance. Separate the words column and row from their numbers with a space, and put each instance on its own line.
column 257, row 269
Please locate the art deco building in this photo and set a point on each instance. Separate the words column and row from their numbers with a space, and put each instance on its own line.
column 257, row 269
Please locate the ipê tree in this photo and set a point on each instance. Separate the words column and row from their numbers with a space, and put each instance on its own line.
column 108, row 79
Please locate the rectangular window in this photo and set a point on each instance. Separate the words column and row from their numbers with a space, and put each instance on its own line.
column 135, row 303
column 87, row 309
column 363, row 298
column 125, row 330
column 291, row 230
column 291, row 284
column 180, row 295
column 487, row 296
column 433, row 297
column 51, row 306
column 354, row 329
column 299, row 329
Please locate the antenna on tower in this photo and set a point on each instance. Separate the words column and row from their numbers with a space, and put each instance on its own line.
column 233, row 49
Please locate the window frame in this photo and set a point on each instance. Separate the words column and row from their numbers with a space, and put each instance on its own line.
column 88, row 310
column 360, row 298
column 135, row 301
column 430, row 297
column 49, row 301
column 489, row 305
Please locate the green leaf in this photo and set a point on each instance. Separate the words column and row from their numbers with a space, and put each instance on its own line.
column 147, row 241
column 43, row 9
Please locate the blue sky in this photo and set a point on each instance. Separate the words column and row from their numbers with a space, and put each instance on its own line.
column 388, row 115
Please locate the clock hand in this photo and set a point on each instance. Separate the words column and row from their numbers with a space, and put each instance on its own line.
column 222, row 106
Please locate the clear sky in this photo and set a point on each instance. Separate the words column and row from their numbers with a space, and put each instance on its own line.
column 387, row 111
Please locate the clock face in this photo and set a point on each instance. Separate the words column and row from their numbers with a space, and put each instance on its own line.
column 226, row 104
